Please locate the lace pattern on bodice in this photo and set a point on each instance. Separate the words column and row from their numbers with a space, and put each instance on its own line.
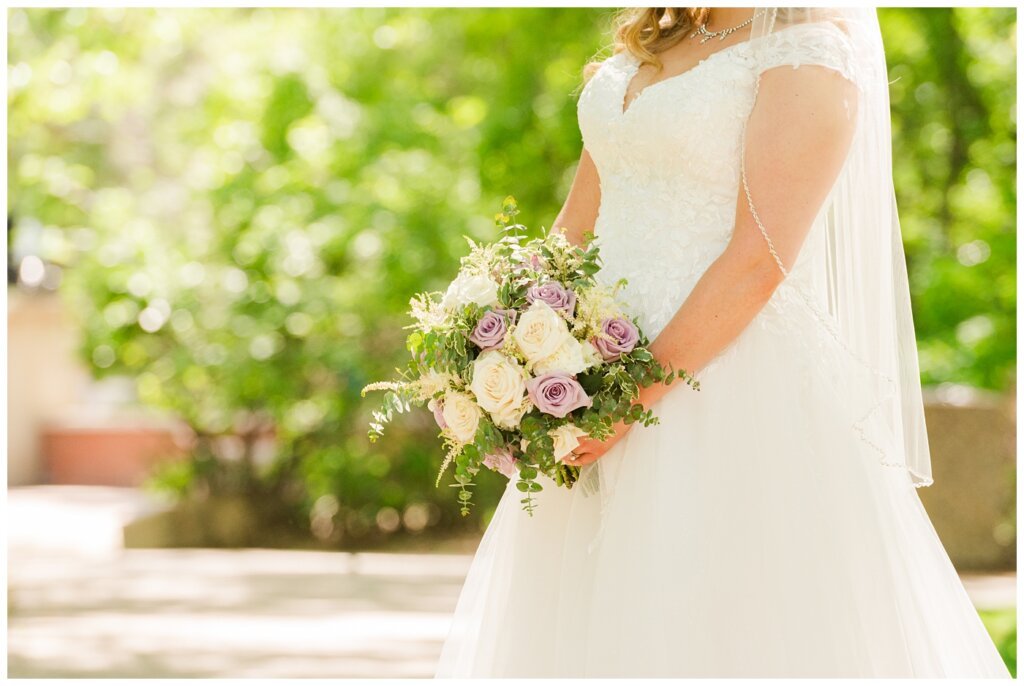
column 669, row 165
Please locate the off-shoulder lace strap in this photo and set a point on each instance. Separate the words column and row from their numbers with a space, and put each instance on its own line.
column 819, row 43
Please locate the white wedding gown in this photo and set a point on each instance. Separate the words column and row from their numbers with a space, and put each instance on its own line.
column 754, row 531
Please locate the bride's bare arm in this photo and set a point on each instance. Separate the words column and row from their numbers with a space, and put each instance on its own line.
column 798, row 136
column 579, row 213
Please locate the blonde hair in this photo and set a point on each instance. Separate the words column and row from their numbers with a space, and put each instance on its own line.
column 646, row 31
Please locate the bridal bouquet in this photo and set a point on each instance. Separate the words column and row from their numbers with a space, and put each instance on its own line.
column 523, row 355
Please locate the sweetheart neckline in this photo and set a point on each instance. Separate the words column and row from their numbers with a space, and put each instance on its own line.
column 634, row 67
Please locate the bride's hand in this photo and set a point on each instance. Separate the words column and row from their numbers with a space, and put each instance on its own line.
column 590, row 449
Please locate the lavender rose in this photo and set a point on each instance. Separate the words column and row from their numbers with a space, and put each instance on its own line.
column 502, row 460
column 491, row 329
column 557, row 393
column 623, row 338
column 554, row 294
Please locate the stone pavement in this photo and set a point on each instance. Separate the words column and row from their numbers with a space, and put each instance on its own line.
column 81, row 606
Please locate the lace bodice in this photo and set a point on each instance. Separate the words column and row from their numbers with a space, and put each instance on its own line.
column 669, row 164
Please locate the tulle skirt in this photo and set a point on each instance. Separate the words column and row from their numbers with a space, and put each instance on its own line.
column 752, row 532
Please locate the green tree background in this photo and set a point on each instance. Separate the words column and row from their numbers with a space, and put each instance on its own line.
column 244, row 200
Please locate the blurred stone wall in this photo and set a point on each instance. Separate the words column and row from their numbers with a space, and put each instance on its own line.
column 44, row 377
column 972, row 502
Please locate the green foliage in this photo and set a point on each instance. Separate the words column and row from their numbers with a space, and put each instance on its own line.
column 1002, row 626
column 247, row 197
column 953, row 94
column 270, row 186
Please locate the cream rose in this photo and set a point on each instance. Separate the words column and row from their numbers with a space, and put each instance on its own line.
column 569, row 359
column 462, row 415
column 470, row 288
column 591, row 355
column 509, row 418
column 566, row 439
column 499, row 384
column 540, row 332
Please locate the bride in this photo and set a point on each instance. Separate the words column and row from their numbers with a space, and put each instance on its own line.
column 736, row 171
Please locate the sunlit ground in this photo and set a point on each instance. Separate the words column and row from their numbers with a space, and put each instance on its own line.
column 80, row 606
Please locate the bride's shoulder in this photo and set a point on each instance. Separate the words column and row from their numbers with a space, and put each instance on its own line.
column 821, row 43
column 605, row 70
column 615, row 63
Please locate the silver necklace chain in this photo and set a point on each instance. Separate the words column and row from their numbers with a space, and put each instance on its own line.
column 722, row 33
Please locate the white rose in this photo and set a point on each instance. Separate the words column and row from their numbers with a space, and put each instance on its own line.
column 540, row 332
column 499, row 384
column 462, row 415
column 591, row 355
column 481, row 290
column 569, row 359
column 467, row 288
column 452, row 296
column 566, row 439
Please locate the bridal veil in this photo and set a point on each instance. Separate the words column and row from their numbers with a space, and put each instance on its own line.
column 868, row 307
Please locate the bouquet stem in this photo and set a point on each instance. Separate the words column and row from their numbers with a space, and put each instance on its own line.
column 567, row 475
